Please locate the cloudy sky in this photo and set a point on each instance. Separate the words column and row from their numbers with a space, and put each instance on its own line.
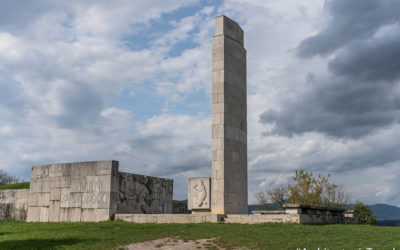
column 131, row 81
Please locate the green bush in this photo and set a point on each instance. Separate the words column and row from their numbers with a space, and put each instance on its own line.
column 363, row 215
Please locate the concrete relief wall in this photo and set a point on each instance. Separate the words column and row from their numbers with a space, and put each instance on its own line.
column 14, row 204
column 199, row 197
column 144, row 194
column 82, row 191
column 85, row 191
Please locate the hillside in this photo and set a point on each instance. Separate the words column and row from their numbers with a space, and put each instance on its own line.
column 385, row 212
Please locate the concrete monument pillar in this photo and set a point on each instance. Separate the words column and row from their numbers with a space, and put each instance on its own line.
column 229, row 119
column 227, row 187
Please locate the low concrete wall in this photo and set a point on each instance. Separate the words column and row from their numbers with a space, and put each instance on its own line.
column 321, row 219
column 144, row 194
column 232, row 218
column 293, row 213
column 301, row 214
column 169, row 218
column 316, row 215
column 14, row 204
column 262, row 218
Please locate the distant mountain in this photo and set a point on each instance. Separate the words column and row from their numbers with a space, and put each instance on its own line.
column 185, row 201
column 251, row 208
column 385, row 212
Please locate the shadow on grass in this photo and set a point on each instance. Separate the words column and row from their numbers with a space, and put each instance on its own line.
column 40, row 243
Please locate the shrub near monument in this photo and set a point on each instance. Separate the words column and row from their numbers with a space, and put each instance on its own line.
column 363, row 215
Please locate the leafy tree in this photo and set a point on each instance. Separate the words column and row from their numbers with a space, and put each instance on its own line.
column 318, row 191
column 262, row 200
column 7, row 179
column 363, row 215
column 306, row 189
column 279, row 196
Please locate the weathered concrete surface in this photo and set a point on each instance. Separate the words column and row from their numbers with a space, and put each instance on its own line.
column 14, row 204
column 81, row 191
column 316, row 215
column 93, row 191
column 295, row 213
column 199, row 197
column 262, row 218
column 229, row 120
column 284, row 218
column 144, row 194
column 321, row 219
column 169, row 218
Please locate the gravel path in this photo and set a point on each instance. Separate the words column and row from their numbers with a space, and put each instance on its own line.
column 175, row 244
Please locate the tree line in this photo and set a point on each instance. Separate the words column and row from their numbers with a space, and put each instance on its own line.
column 7, row 179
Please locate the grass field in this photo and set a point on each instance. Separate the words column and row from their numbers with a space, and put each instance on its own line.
column 111, row 234
column 21, row 185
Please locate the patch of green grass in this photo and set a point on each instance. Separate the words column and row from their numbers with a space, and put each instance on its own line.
column 21, row 185
column 111, row 234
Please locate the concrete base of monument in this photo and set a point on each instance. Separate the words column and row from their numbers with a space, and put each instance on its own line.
column 170, row 218
column 201, row 218
column 291, row 213
column 231, row 218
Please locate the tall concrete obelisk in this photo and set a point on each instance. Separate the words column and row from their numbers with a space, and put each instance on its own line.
column 229, row 119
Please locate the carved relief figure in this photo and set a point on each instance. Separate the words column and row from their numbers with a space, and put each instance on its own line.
column 200, row 194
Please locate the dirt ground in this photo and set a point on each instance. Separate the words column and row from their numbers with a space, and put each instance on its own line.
column 175, row 244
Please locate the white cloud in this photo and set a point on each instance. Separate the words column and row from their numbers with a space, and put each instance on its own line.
column 5, row 130
column 62, row 67
column 174, row 146
column 308, row 148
